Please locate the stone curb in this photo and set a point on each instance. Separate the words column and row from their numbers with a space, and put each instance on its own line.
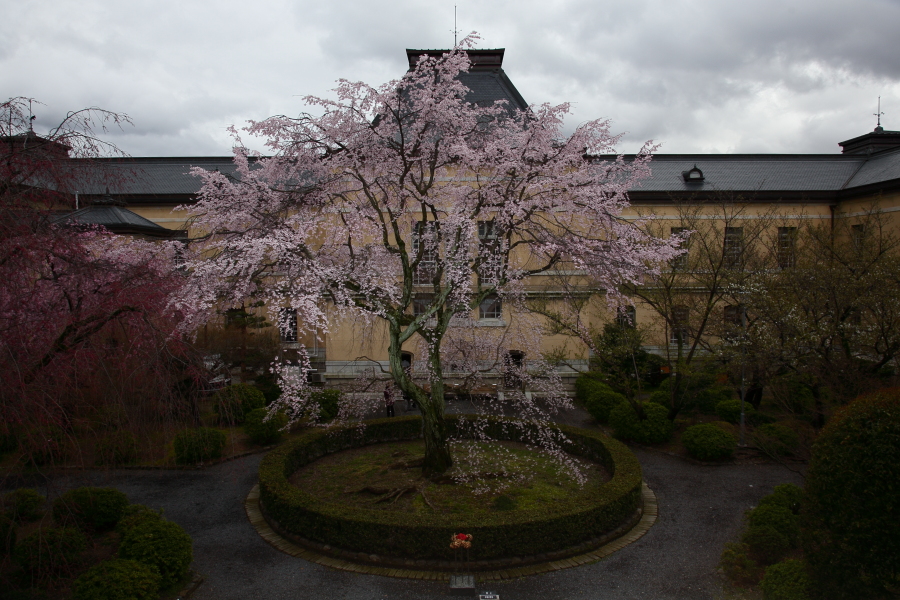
column 255, row 515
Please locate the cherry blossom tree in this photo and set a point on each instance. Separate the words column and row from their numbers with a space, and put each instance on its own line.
column 407, row 205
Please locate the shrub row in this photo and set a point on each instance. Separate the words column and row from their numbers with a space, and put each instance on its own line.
column 422, row 536
column 708, row 442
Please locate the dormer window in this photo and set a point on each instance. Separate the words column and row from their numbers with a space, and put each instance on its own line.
column 695, row 175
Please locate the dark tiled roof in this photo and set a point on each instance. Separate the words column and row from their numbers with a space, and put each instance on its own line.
column 880, row 167
column 153, row 178
column 115, row 218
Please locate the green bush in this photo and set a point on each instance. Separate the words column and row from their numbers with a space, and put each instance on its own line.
column 51, row 551
column 328, row 404
column 767, row 545
column 786, row 495
column 118, row 579
column 600, row 402
column 267, row 383
column 655, row 429
column 118, row 448
column 588, row 383
column 7, row 534
column 198, row 445
column 134, row 515
column 706, row 400
column 96, row 509
column 851, row 533
column 24, row 505
column 234, row 402
column 778, row 517
column 730, row 410
column 708, row 442
column 786, row 580
column 262, row 431
column 738, row 565
column 776, row 438
column 160, row 544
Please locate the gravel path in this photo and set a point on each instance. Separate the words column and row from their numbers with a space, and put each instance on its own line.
column 700, row 508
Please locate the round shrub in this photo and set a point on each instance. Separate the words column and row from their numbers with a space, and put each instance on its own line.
column 708, row 442
column 50, row 551
column 136, row 514
column 24, row 505
column 263, row 431
column 706, row 400
column 786, row 580
column 851, row 533
column 97, row 509
column 234, row 402
column 119, row 448
column 600, row 402
column 7, row 534
column 776, row 438
column 786, row 495
column 655, row 429
column 588, row 383
column 767, row 545
column 198, row 445
column 777, row 517
column 327, row 402
column 118, row 579
column 730, row 410
column 160, row 544
column 738, row 565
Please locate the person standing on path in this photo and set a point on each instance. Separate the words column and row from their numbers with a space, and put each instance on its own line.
column 389, row 400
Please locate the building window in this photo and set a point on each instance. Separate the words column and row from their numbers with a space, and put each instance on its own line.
column 859, row 233
column 787, row 237
column 287, row 324
column 625, row 317
column 678, row 333
column 420, row 304
column 734, row 247
column 491, row 308
column 680, row 262
column 424, row 242
column 488, row 243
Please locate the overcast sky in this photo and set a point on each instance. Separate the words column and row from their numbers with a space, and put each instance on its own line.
column 779, row 76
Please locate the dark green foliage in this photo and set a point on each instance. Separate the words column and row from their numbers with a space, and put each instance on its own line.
column 698, row 390
column 738, row 565
column 117, row 448
column 198, row 445
column 776, row 438
column 267, row 383
column 7, row 534
column 24, row 505
column 600, row 402
column 160, row 544
column 730, row 410
column 788, row 580
column 655, row 429
column 118, row 579
column 586, row 384
column 328, row 403
column 134, row 515
column 786, row 495
column 708, row 442
column 767, row 545
column 777, row 517
column 234, row 402
column 49, row 552
column 851, row 529
column 262, row 431
column 90, row 508
column 706, row 400
column 424, row 535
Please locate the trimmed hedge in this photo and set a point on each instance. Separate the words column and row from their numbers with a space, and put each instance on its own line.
column 118, row 579
column 851, row 533
column 786, row 495
column 24, row 505
column 730, row 410
column 198, row 445
column 655, row 429
column 424, row 536
column 787, row 580
column 600, row 403
column 97, row 509
column 262, row 431
column 161, row 544
column 234, row 402
column 50, row 551
column 588, row 383
column 137, row 514
column 776, row 438
column 708, row 442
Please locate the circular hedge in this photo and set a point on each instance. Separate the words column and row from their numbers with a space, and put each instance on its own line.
column 425, row 536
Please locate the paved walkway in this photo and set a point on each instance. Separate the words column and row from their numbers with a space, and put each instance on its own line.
column 700, row 508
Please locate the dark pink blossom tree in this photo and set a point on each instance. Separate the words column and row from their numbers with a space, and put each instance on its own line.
column 406, row 204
